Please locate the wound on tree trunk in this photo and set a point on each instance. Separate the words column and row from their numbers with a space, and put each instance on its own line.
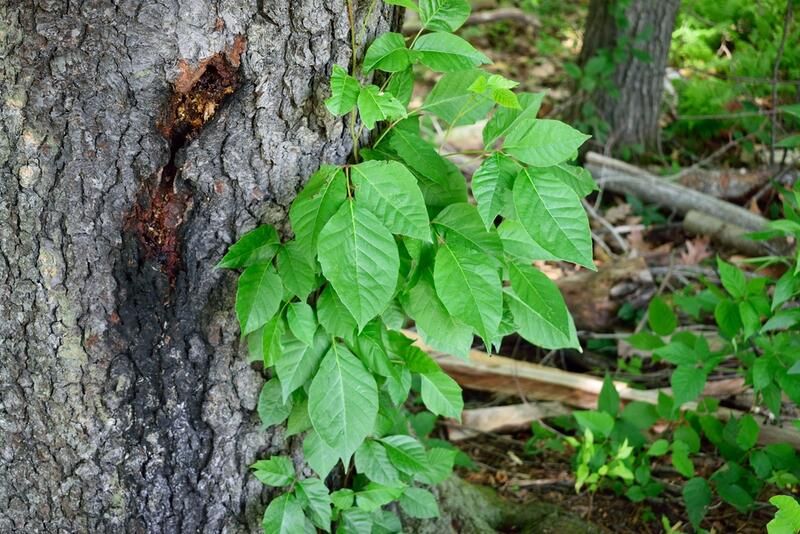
column 164, row 200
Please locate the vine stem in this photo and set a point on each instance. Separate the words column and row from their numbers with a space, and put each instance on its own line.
column 353, row 48
column 383, row 88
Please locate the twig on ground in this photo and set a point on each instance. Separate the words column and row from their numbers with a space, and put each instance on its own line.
column 608, row 226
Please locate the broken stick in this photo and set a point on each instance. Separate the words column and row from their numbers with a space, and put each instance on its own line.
column 620, row 177
column 505, row 375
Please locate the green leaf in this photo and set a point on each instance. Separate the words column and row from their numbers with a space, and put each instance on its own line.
column 301, row 321
column 258, row 296
column 689, row 436
column 255, row 349
column 463, row 227
column 343, row 401
column 256, row 246
column 343, row 499
column 577, row 178
column 276, row 471
column 284, row 516
column 696, row 497
column 272, row 340
column 406, row 453
column 791, row 141
column 660, row 317
column 334, row 317
column 440, row 180
column 299, row 361
column 371, row 351
column 735, row 495
column 374, row 495
column 792, row 109
column 295, row 270
column 315, row 499
column 434, row 323
column 419, row 503
column 640, row 415
column 408, row 4
column 658, row 448
column 787, row 518
column 355, row 521
column 272, row 409
column 677, row 353
column 645, row 341
column 782, row 320
column 539, row 310
column 401, row 85
column 546, row 143
column 445, row 52
column 687, row 383
column 732, row 278
column 359, row 257
column 315, row 204
column 318, row 454
column 470, row 289
column 726, row 313
column 750, row 319
column 371, row 460
column 391, row 192
column 452, row 101
column 491, row 185
column 387, row 53
column 608, row 401
column 298, row 421
column 443, row 15
column 440, row 466
column 441, row 395
column 600, row 423
column 680, row 459
column 747, row 435
column 386, row 522
column 513, row 123
column 418, row 361
column 553, row 217
column 518, row 244
column 374, row 106
column 505, row 98
column 344, row 92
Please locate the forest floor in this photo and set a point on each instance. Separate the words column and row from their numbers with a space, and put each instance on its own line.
column 667, row 257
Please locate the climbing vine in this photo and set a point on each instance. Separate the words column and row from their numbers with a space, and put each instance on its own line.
column 392, row 236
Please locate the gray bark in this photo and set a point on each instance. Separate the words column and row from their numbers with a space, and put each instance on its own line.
column 126, row 403
column 632, row 114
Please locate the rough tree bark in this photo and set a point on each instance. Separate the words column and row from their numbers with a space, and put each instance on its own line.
column 633, row 113
column 139, row 139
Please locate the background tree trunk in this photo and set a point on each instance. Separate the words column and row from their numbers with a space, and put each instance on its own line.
column 138, row 140
column 633, row 113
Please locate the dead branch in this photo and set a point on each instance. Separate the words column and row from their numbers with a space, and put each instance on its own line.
column 621, row 177
column 503, row 375
column 503, row 418
column 726, row 234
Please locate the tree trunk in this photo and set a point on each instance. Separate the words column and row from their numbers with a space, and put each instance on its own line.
column 138, row 140
column 633, row 106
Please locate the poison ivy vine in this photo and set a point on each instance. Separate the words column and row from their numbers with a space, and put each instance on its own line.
column 391, row 236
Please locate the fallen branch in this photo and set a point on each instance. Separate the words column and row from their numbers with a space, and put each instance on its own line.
column 621, row 177
column 503, row 418
column 724, row 233
column 504, row 375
